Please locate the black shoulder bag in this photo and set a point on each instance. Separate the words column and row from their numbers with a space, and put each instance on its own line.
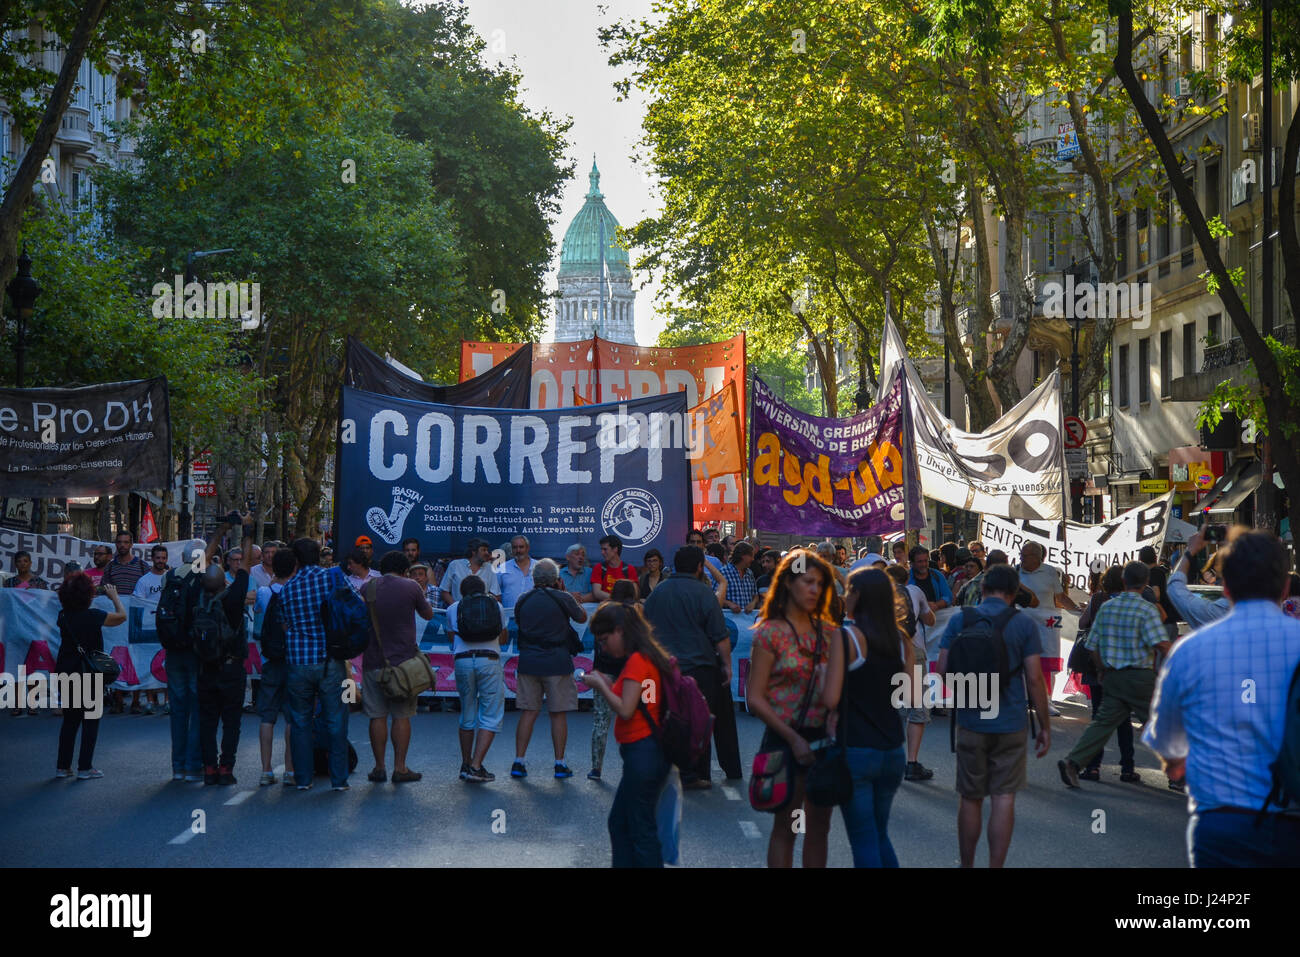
column 830, row 782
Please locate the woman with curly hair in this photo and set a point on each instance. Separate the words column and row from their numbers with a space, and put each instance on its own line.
column 795, row 674
column 81, row 630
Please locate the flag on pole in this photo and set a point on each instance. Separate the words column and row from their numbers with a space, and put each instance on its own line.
column 148, row 530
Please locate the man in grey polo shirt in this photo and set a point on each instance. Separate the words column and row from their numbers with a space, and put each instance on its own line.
column 687, row 620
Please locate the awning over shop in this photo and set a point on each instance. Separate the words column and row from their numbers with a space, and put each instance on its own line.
column 1234, row 488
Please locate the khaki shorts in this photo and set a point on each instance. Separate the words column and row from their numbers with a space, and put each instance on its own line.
column 375, row 705
column 560, row 691
column 990, row 763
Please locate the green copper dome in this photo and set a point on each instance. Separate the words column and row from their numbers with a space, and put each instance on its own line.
column 580, row 251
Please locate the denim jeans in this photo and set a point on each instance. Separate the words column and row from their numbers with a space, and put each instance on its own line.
column 480, row 682
column 633, row 830
column 323, row 682
column 182, row 669
column 877, row 776
column 1231, row 839
column 668, row 816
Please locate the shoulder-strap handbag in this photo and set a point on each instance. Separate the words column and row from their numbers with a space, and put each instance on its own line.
column 571, row 643
column 412, row 676
column 830, row 782
column 771, row 782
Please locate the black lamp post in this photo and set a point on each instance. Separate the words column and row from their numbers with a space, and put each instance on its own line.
column 185, row 519
column 1081, row 273
column 23, row 290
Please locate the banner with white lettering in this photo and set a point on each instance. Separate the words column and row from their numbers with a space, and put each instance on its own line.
column 556, row 476
column 1082, row 548
column 96, row 440
column 1015, row 468
column 50, row 553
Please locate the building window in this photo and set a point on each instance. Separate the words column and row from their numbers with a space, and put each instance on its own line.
column 1185, row 227
column 1213, row 330
column 1051, row 242
column 1143, row 237
column 1213, row 201
column 1189, row 348
column 1122, row 376
column 1162, row 233
column 1166, row 363
column 1144, row 370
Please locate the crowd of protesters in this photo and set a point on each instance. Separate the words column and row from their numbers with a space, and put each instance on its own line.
column 832, row 633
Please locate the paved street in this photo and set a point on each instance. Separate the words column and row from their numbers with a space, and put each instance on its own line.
column 135, row 816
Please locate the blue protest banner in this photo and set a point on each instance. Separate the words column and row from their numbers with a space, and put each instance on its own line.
column 445, row 474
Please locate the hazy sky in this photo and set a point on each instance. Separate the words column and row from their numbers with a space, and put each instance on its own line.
column 554, row 45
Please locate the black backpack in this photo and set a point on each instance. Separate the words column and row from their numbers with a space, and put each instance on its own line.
column 214, row 637
column 979, row 649
column 1285, row 790
column 346, row 619
column 478, row 618
column 275, row 640
column 175, row 604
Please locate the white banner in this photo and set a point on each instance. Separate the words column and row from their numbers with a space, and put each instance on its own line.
column 1015, row 468
column 51, row 552
column 1080, row 548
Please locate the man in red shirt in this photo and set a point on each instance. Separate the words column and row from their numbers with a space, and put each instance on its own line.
column 101, row 557
column 611, row 569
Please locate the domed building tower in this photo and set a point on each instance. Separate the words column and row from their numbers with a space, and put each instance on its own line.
column 589, row 252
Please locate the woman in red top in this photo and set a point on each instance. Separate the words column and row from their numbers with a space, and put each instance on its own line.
column 795, row 676
column 622, row 631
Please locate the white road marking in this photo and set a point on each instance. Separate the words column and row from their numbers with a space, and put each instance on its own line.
column 183, row 837
column 749, row 828
column 239, row 797
column 731, row 793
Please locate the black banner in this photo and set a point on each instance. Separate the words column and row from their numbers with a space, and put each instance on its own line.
column 504, row 386
column 96, row 440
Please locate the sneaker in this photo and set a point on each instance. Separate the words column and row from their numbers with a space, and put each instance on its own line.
column 89, row 775
column 562, row 770
column 916, row 771
column 1131, row 777
column 464, row 771
column 404, row 777
column 304, row 787
column 700, row 784
column 193, row 778
column 1179, row 786
column 377, row 776
column 480, row 776
column 517, row 770
column 268, row 777
column 210, row 777
column 1069, row 772
column 593, row 774
column 340, row 787
column 224, row 776
column 63, row 773
column 166, row 708
column 148, row 709
column 1092, row 774
column 289, row 779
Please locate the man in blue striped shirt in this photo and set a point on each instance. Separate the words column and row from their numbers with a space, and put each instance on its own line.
column 1220, row 710
column 313, row 676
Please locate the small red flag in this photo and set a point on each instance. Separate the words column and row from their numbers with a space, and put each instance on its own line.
column 148, row 530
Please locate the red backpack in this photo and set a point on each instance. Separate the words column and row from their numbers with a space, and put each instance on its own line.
column 685, row 723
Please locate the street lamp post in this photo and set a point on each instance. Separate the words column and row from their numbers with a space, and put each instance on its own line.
column 23, row 290
column 1080, row 272
column 185, row 520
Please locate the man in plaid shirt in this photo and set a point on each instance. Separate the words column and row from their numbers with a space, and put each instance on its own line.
column 313, row 676
column 741, row 587
column 1123, row 641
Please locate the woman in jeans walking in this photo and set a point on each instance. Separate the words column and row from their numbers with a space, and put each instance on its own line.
column 81, row 627
column 624, row 591
column 795, row 672
column 867, row 723
column 622, row 631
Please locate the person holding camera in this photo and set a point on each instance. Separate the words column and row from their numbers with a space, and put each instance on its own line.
column 1196, row 611
column 81, row 629
column 547, row 643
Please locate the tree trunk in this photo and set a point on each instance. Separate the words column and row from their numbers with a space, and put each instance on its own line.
column 28, row 173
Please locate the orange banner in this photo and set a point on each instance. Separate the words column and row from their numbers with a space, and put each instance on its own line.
column 597, row 370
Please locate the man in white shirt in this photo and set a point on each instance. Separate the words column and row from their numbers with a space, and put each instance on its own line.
column 149, row 587
column 516, row 575
column 1044, row 582
column 476, row 563
column 261, row 575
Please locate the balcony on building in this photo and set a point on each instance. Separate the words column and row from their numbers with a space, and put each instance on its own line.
column 1224, row 362
column 75, row 135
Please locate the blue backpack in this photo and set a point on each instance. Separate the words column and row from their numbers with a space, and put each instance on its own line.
column 1286, row 769
column 346, row 620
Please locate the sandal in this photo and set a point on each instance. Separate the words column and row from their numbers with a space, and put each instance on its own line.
column 1090, row 774
column 402, row 777
column 378, row 776
column 1131, row 777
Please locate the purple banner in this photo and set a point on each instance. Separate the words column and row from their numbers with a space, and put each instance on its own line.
column 839, row 477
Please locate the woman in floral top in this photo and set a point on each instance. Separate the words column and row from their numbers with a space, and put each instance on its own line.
column 795, row 676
